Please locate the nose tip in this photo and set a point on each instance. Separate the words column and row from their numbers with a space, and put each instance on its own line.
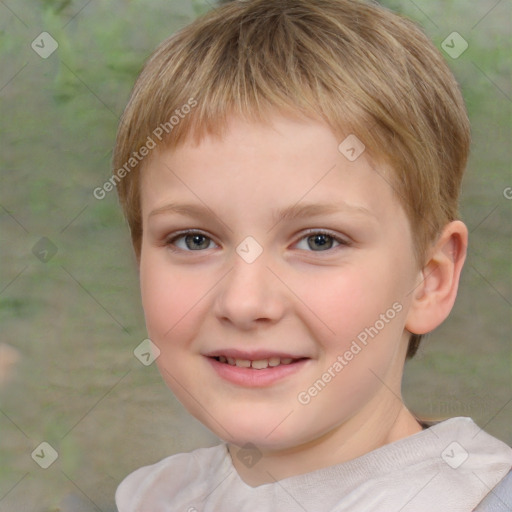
column 248, row 294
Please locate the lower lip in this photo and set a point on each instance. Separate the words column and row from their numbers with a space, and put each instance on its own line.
column 249, row 377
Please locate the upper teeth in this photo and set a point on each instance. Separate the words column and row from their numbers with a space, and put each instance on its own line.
column 259, row 364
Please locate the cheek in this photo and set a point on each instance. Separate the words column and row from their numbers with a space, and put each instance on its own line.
column 362, row 312
column 347, row 301
column 168, row 298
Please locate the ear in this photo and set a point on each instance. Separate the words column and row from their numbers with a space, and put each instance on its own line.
column 434, row 296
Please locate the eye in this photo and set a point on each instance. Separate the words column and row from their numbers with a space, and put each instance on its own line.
column 193, row 241
column 322, row 240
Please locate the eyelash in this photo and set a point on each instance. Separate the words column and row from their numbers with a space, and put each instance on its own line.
column 169, row 242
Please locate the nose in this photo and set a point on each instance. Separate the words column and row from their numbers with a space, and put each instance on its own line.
column 250, row 295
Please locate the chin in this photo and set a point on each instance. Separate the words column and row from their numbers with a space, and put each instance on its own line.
column 267, row 432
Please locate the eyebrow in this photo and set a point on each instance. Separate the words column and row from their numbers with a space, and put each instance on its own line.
column 289, row 213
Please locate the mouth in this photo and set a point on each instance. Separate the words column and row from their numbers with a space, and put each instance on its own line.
column 257, row 369
column 257, row 364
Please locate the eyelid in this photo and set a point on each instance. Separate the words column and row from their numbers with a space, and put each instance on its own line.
column 179, row 234
column 342, row 241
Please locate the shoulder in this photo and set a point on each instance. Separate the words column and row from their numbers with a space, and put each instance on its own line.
column 500, row 498
column 158, row 483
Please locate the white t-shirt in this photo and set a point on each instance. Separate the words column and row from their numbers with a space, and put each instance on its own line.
column 449, row 467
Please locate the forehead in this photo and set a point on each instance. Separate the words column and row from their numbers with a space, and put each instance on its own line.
column 273, row 164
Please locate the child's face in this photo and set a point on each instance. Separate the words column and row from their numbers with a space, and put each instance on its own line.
column 304, row 296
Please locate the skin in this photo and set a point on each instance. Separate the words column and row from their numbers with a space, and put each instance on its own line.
column 298, row 296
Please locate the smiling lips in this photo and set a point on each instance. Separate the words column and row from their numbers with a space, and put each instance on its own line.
column 256, row 369
column 258, row 364
column 257, row 360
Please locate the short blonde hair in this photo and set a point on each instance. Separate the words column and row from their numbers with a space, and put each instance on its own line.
column 357, row 66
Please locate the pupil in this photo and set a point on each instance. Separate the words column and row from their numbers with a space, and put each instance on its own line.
column 196, row 241
column 321, row 240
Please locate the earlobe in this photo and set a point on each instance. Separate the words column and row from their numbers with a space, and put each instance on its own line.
column 435, row 294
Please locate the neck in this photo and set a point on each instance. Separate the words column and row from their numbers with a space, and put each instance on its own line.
column 371, row 428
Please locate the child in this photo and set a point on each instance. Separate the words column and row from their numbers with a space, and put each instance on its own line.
column 290, row 173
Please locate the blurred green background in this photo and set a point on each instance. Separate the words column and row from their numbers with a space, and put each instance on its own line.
column 73, row 321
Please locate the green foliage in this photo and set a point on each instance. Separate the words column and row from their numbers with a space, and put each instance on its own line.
column 56, row 6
